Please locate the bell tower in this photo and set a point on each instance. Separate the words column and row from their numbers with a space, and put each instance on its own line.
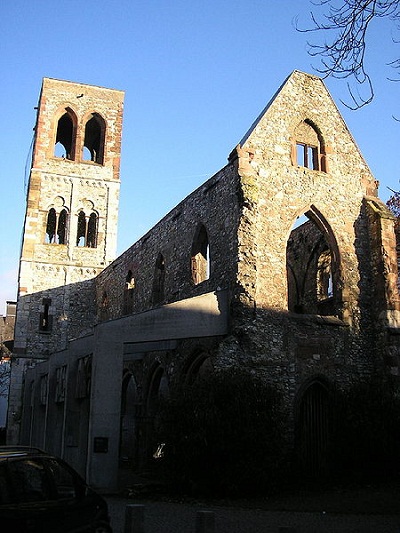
column 70, row 228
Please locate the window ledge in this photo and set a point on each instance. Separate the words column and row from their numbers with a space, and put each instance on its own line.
column 328, row 320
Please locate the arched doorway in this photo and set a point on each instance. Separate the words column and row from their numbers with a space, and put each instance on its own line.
column 158, row 389
column 314, row 429
column 129, row 399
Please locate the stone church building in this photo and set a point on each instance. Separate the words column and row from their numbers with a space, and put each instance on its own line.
column 284, row 262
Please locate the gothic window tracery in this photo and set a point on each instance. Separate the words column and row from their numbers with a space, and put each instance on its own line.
column 312, row 260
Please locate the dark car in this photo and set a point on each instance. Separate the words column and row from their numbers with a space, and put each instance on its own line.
column 40, row 493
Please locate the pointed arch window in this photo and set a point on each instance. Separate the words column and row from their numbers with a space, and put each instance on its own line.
column 57, row 223
column 104, row 307
column 309, row 147
column 312, row 259
column 128, row 293
column 159, row 280
column 64, row 146
column 87, row 230
column 200, row 257
column 93, row 145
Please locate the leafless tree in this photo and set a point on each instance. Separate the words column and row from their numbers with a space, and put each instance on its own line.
column 345, row 25
column 394, row 205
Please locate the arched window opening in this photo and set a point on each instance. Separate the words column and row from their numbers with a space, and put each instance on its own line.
column 158, row 391
column 309, row 147
column 200, row 257
column 104, row 311
column 81, row 233
column 56, row 225
column 159, row 280
column 312, row 269
column 93, row 146
column 87, row 230
column 64, row 137
column 128, row 293
column 92, row 231
column 199, row 368
column 129, row 405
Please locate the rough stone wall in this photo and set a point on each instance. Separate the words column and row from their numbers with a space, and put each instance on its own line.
column 214, row 205
column 248, row 210
column 276, row 191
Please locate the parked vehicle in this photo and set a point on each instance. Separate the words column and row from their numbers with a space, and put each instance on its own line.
column 40, row 493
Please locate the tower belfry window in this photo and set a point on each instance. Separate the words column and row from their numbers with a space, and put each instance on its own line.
column 56, row 223
column 87, row 230
column 93, row 146
column 64, row 137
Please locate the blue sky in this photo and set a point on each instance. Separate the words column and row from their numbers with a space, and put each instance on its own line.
column 196, row 75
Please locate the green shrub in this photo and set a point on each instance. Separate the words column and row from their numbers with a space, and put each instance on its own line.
column 223, row 435
column 367, row 439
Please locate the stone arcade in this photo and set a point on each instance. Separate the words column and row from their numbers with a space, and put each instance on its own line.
column 284, row 260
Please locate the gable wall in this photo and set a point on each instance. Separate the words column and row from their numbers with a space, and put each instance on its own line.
column 284, row 191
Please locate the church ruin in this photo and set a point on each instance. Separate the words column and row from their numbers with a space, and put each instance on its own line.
column 284, row 262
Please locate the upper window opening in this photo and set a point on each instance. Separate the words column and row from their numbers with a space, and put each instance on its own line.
column 128, row 293
column 87, row 230
column 200, row 260
column 56, row 223
column 159, row 280
column 93, row 146
column 64, row 137
column 307, row 156
column 310, row 149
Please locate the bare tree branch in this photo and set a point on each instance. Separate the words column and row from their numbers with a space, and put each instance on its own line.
column 347, row 22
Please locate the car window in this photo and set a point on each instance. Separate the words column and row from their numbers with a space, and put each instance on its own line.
column 29, row 479
column 65, row 481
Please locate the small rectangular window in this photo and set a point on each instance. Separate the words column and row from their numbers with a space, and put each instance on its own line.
column 307, row 156
column 45, row 319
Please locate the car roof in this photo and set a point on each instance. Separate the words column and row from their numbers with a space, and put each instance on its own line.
column 14, row 451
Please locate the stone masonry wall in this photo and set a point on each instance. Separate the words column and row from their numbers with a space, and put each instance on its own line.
column 58, row 272
column 214, row 205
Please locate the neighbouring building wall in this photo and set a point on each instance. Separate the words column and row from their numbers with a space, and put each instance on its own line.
column 7, row 324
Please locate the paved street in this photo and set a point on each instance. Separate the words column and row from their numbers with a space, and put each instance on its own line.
column 172, row 517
